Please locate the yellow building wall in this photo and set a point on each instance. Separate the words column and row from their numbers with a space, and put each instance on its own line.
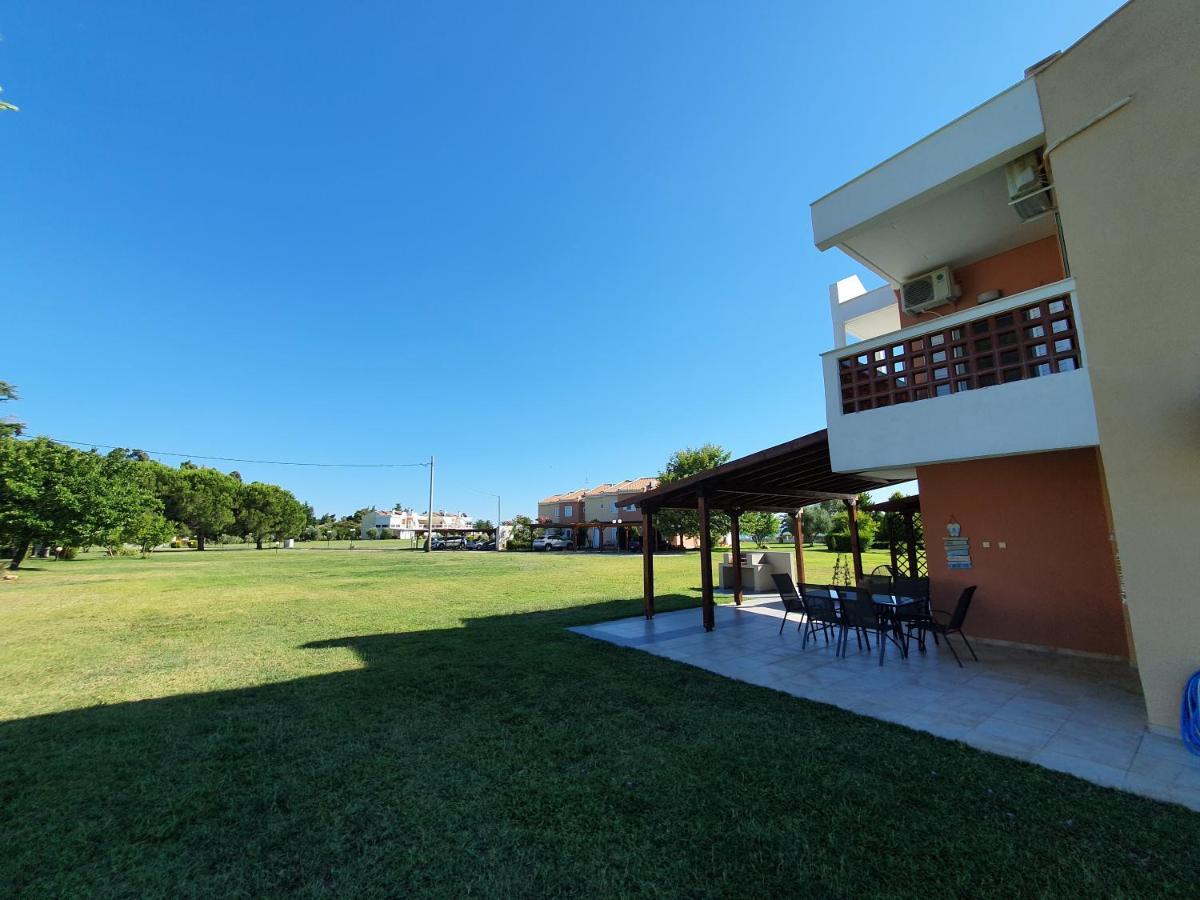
column 600, row 508
column 1128, row 188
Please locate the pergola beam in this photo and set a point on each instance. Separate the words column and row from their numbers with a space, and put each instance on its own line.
column 766, row 490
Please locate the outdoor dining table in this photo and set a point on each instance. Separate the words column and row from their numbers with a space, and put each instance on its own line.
column 887, row 605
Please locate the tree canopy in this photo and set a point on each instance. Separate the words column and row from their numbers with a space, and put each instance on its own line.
column 266, row 511
column 54, row 494
column 760, row 526
column 9, row 427
column 683, row 464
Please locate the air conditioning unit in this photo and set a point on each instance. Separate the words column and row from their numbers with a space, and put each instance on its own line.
column 1028, row 187
column 936, row 288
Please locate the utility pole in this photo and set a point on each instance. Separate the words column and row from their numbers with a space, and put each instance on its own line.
column 497, row 523
column 429, row 520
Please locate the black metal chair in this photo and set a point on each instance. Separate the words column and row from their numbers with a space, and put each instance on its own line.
column 910, row 587
column 876, row 584
column 820, row 610
column 918, row 590
column 953, row 624
column 859, row 615
column 792, row 601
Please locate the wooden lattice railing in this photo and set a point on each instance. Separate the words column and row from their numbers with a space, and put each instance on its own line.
column 1028, row 342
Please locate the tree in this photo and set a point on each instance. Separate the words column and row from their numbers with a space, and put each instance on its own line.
column 683, row 464
column 522, row 532
column 815, row 520
column 147, row 530
column 838, row 536
column 482, row 524
column 760, row 526
column 267, row 510
column 203, row 500
column 50, row 493
column 9, row 427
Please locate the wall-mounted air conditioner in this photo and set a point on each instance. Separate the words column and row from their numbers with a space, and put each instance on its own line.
column 1029, row 188
column 936, row 288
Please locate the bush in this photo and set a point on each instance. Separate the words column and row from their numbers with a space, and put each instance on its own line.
column 372, row 534
column 68, row 552
column 230, row 539
column 838, row 539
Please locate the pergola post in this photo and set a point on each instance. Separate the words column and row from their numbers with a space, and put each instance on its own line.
column 855, row 549
column 735, row 539
column 798, row 535
column 892, row 538
column 911, row 537
column 648, row 562
column 706, row 578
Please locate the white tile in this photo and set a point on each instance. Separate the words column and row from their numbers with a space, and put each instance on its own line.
column 1097, row 773
column 1088, row 748
column 1020, row 741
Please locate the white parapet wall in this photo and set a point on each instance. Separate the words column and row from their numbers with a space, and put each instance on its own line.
column 860, row 313
column 1055, row 412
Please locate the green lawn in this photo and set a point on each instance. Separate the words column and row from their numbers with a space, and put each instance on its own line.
column 384, row 724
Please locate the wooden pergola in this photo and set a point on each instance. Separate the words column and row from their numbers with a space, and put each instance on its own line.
column 906, row 555
column 782, row 479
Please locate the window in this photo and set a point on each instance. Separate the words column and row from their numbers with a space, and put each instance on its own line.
column 632, row 507
column 567, row 510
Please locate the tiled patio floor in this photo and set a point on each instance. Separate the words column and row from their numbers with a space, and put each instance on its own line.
column 1076, row 715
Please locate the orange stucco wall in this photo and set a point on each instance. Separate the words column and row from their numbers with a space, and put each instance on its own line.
column 1020, row 269
column 1055, row 584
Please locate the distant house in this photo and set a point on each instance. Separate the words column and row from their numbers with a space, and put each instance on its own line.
column 404, row 523
column 562, row 509
column 447, row 521
column 607, row 503
column 400, row 523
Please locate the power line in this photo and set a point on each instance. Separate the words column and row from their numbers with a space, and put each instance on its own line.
column 259, row 462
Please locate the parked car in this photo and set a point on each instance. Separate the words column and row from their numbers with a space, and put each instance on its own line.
column 551, row 542
column 486, row 544
column 452, row 543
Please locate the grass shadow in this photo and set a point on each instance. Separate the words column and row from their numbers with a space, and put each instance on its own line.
column 512, row 757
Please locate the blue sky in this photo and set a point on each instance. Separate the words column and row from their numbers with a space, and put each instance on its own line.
column 372, row 231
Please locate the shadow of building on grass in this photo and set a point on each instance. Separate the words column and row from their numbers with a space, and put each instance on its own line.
column 511, row 756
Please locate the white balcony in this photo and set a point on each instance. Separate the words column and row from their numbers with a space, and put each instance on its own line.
column 1002, row 378
column 861, row 314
